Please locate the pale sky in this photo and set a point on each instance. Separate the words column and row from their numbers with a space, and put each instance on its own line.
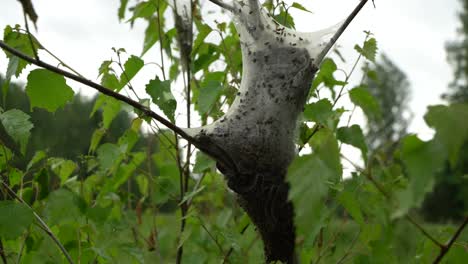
column 412, row 33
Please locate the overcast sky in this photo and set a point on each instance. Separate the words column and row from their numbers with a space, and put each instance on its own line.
column 412, row 33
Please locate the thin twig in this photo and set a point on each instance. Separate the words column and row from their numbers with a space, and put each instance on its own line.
column 42, row 224
column 340, row 31
column 26, row 24
column 446, row 248
column 223, row 5
column 147, row 111
column 2, row 253
column 211, row 236
column 228, row 254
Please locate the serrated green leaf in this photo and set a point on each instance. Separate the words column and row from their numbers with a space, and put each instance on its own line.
column 361, row 97
column 325, row 76
column 319, row 112
column 353, row 136
column 369, row 50
column 15, row 218
column 160, row 92
column 300, row 7
column 47, row 90
column 18, row 126
column 105, row 67
column 20, row 41
column 131, row 67
column 210, row 90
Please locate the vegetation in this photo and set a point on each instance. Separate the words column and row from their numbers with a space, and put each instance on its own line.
column 81, row 183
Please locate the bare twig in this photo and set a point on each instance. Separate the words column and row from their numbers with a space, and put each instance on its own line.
column 340, row 31
column 42, row 224
column 446, row 248
column 2, row 253
column 223, row 5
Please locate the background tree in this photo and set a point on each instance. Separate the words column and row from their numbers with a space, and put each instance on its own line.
column 449, row 201
column 391, row 88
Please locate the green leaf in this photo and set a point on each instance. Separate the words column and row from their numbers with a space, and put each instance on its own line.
column 64, row 206
column 422, row 161
column 38, row 156
column 203, row 162
column 108, row 155
column 20, row 41
column 131, row 67
column 210, row 90
column 203, row 31
column 105, row 67
column 319, row 112
column 42, row 179
column 325, row 75
column 122, row 9
column 361, row 97
column 47, row 90
column 15, row 176
column 143, row 10
column 308, row 176
column 96, row 139
column 353, row 136
column 300, row 7
column 160, row 92
column 450, row 123
column 151, row 35
column 349, row 201
column 110, row 109
column 142, row 182
column 18, row 126
column 15, row 218
column 63, row 168
column 369, row 50
column 325, row 146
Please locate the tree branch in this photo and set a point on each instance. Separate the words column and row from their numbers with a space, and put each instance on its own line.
column 446, row 248
column 223, row 5
column 208, row 147
column 340, row 31
column 147, row 111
